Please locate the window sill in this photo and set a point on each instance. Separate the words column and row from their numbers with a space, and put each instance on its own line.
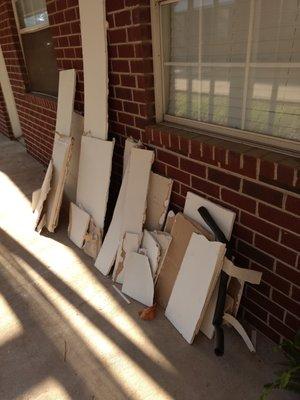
column 41, row 100
column 254, row 162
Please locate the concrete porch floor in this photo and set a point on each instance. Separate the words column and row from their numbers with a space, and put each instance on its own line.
column 66, row 334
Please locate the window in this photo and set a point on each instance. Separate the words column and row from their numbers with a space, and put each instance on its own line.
column 230, row 66
column 37, row 45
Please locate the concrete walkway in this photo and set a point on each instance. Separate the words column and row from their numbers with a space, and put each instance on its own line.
column 66, row 334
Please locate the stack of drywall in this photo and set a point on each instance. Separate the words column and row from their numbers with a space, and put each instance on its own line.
column 96, row 151
column 47, row 201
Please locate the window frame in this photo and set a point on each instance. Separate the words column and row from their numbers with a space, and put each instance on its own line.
column 287, row 146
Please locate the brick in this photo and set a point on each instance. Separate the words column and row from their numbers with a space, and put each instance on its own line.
column 141, row 15
column 254, row 308
column 288, row 273
column 120, row 65
column 263, row 193
column 273, row 279
column 238, row 200
column 265, row 303
column 293, row 204
column 296, row 294
column 280, row 218
column 128, row 80
column 178, row 175
column 117, row 35
column 159, row 168
column 126, row 50
column 137, row 33
column 124, row 118
column 123, row 18
column 242, row 233
column 262, row 327
column 255, row 254
column 177, row 199
column 141, row 66
column 224, row 179
column 284, row 301
column 114, row 5
column 267, row 170
column 168, row 158
column 122, row 93
column 259, row 225
column 192, row 167
column 205, row 187
column 131, row 107
column 275, row 249
column 249, row 166
column 284, row 330
column 291, row 240
column 285, row 175
column 292, row 321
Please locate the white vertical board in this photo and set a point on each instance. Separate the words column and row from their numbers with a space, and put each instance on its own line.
column 94, row 177
column 222, row 216
column 78, row 224
column 138, row 281
column 61, row 157
column 194, row 284
column 65, row 102
column 9, row 98
column 95, row 66
column 130, row 143
column 129, row 213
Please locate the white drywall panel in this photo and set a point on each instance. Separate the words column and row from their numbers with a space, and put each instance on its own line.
column 222, row 216
column 94, row 177
column 138, row 281
column 152, row 247
column 130, row 243
column 45, row 189
column 193, row 287
column 9, row 98
column 95, row 66
column 65, row 102
column 78, row 224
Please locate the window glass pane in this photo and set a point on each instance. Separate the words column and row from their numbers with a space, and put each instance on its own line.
column 41, row 62
column 234, row 63
column 31, row 13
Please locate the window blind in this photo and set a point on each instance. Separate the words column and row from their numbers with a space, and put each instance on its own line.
column 234, row 63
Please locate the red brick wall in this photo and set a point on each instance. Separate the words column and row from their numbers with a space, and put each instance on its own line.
column 5, row 127
column 262, row 192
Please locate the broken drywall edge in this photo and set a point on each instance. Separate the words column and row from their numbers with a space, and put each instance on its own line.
column 35, row 198
column 152, row 247
column 95, row 66
column 164, row 239
column 79, row 222
column 130, row 207
column 239, row 328
column 130, row 143
column 169, row 221
column 95, row 166
column 9, row 98
column 138, row 282
column 194, row 285
column 158, row 199
column 222, row 216
column 44, row 191
column 65, row 102
column 130, row 243
column 92, row 240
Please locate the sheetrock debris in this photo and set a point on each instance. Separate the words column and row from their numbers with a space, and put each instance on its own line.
column 43, row 193
column 169, row 221
column 194, row 285
column 78, row 224
column 130, row 208
column 158, row 199
column 130, row 243
column 92, row 240
column 152, row 247
column 138, row 281
column 164, row 239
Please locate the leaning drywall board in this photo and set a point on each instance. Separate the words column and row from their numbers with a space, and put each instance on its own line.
column 130, row 209
column 9, row 98
column 158, row 200
column 78, row 224
column 222, row 216
column 195, row 281
column 61, row 156
column 45, row 189
column 130, row 143
column 95, row 66
column 94, row 177
column 131, row 243
column 65, row 102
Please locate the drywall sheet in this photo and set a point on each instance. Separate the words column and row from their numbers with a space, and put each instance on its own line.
column 9, row 98
column 94, row 177
column 131, row 243
column 45, row 189
column 164, row 239
column 78, row 224
column 197, row 276
column 95, row 66
column 158, row 200
column 181, row 233
column 222, row 216
column 93, row 241
column 65, row 102
column 130, row 143
column 129, row 213
column 35, row 198
column 152, row 247
column 61, row 157
column 138, row 281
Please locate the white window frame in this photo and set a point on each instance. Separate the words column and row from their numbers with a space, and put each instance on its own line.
column 288, row 146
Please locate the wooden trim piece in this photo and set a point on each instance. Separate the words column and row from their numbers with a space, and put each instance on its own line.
column 65, row 102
